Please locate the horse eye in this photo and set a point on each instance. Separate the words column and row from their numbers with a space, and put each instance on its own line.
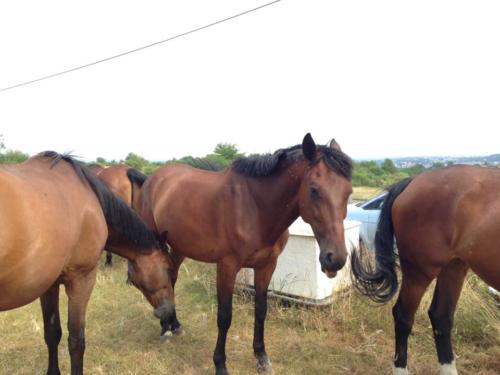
column 315, row 194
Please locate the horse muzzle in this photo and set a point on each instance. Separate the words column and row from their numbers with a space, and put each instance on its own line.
column 331, row 263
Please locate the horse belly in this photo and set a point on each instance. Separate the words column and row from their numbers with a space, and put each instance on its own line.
column 212, row 241
column 18, row 293
column 195, row 235
column 203, row 251
column 26, row 277
column 31, row 256
column 480, row 249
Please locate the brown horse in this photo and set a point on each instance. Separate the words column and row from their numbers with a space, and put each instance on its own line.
column 123, row 181
column 445, row 221
column 55, row 220
column 238, row 218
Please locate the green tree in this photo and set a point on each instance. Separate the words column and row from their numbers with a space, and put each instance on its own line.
column 13, row 157
column 228, row 151
column 388, row 166
column 101, row 161
column 135, row 161
column 415, row 169
column 437, row 164
column 10, row 156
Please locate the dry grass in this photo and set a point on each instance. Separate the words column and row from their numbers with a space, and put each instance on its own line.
column 352, row 336
column 362, row 193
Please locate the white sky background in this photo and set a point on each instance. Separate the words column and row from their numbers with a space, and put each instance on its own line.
column 385, row 78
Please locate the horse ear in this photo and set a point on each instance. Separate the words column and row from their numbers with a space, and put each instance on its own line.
column 162, row 241
column 309, row 147
column 164, row 236
column 333, row 144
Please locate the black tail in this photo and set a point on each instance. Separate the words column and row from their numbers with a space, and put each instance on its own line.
column 136, row 177
column 119, row 216
column 380, row 283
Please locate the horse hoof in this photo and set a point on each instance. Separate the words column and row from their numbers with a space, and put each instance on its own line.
column 221, row 372
column 264, row 366
column 166, row 336
column 399, row 371
column 178, row 331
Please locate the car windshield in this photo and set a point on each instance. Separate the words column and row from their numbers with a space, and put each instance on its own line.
column 374, row 203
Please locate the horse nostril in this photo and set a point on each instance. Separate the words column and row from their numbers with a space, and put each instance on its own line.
column 329, row 258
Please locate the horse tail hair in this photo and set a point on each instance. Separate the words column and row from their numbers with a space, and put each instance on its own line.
column 380, row 283
column 119, row 216
column 136, row 177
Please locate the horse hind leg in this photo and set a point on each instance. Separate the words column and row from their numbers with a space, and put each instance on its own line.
column 78, row 290
column 412, row 289
column 446, row 294
column 109, row 259
column 52, row 327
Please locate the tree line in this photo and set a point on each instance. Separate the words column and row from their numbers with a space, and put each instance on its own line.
column 365, row 173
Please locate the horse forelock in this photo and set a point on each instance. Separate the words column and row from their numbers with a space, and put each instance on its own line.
column 338, row 161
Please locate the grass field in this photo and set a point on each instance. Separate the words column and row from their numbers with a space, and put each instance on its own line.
column 352, row 336
column 362, row 193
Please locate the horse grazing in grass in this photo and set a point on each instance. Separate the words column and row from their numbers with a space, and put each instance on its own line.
column 124, row 181
column 445, row 221
column 55, row 220
column 239, row 217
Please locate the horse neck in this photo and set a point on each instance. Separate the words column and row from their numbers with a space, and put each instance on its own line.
column 277, row 198
column 122, row 247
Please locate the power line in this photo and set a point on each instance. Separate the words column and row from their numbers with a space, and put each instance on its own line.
column 139, row 48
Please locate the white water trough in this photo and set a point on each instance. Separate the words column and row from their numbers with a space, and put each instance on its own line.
column 298, row 275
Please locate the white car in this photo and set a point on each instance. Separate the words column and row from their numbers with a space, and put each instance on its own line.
column 367, row 213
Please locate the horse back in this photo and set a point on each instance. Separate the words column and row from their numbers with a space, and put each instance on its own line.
column 116, row 179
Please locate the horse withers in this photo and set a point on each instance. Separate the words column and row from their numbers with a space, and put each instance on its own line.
column 445, row 222
column 56, row 218
column 239, row 217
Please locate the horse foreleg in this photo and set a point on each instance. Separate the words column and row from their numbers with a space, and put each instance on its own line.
column 226, row 276
column 52, row 326
column 446, row 294
column 262, row 278
column 412, row 289
column 177, row 260
column 172, row 324
column 78, row 290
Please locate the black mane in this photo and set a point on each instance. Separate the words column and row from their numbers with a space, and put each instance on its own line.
column 119, row 216
column 205, row 164
column 267, row 164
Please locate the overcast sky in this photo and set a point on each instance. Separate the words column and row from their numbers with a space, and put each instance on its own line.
column 385, row 78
